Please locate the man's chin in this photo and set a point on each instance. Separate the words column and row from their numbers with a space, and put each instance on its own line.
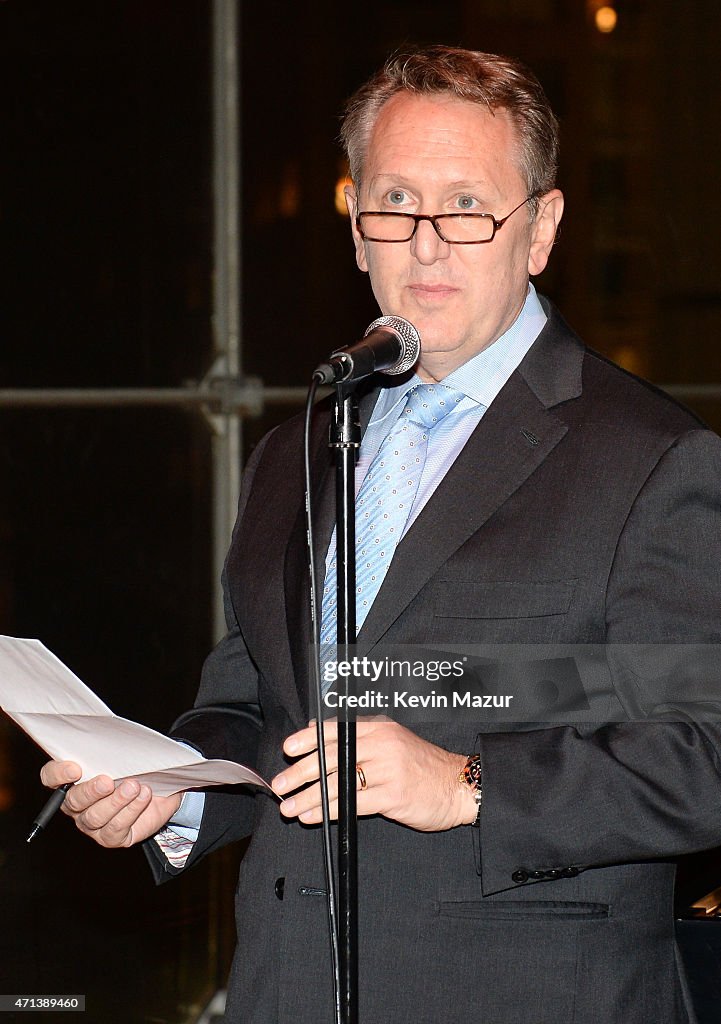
column 440, row 345
column 438, row 360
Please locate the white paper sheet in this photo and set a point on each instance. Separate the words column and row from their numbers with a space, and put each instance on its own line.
column 71, row 723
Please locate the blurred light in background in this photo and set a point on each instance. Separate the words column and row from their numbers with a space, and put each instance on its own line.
column 340, row 185
column 606, row 18
column 602, row 15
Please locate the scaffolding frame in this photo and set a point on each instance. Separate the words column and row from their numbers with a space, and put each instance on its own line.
column 224, row 396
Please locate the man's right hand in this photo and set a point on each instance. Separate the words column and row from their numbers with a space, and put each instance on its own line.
column 111, row 816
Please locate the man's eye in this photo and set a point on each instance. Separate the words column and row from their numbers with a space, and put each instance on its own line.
column 467, row 202
column 396, row 197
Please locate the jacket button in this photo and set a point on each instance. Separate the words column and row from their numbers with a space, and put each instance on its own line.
column 553, row 873
column 537, row 875
column 279, row 887
column 519, row 876
column 569, row 872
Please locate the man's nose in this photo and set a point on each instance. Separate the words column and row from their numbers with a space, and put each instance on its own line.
column 427, row 245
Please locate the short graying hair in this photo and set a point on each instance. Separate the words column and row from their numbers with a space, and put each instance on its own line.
column 499, row 83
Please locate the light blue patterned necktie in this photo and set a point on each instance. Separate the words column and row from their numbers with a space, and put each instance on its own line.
column 385, row 501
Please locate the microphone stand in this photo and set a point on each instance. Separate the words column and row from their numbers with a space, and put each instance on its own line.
column 345, row 439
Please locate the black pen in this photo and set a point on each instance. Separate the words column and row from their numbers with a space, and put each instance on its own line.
column 49, row 810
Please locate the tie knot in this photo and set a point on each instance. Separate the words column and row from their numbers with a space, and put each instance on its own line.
column 427, row 404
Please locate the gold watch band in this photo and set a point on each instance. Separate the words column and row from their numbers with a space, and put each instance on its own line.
column 471, row 776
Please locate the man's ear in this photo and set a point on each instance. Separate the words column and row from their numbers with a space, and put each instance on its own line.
column 351, row 200
column 544, row 230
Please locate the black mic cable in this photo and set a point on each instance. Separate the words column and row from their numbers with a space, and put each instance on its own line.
column 332, row 904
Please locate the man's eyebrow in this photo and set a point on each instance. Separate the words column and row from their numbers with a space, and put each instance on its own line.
column 478, row 187
column 464, row 183
column 461, row 183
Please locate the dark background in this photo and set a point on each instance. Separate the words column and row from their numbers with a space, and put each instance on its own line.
column 106, row 228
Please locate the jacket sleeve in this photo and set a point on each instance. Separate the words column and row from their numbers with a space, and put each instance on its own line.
column 562, row 799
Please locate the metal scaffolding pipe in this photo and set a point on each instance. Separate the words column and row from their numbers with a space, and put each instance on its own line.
column 241, row 397
column 227, row 437
column 246, row 397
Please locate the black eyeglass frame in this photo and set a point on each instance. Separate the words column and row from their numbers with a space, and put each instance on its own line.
column 434, row 218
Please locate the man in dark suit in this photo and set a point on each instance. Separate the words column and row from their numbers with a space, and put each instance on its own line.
column 560, row 501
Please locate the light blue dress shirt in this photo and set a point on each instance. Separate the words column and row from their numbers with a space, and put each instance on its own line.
column 480, row 380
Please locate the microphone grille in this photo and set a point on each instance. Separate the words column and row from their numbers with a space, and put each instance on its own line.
column 410, row 341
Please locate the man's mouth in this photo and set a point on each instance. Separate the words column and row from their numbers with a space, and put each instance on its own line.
column 431, row 291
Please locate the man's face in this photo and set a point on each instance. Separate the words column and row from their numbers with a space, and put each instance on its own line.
column 438, row 154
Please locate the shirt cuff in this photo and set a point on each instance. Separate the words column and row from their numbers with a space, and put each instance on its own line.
column 189, row 815
column 177, row 839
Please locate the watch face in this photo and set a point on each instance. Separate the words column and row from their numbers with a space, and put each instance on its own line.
column 473, row 773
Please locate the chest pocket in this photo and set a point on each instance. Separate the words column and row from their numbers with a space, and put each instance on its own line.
column 500, row 611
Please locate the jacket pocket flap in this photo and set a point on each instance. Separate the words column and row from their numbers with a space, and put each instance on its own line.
column 514, row 910
column 464, row 599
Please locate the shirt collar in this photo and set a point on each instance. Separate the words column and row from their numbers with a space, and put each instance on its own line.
column 483, row 376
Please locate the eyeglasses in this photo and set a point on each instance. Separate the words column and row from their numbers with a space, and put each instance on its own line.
column 455, row 228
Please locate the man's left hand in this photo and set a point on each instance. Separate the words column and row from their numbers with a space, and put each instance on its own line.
column 408, row 779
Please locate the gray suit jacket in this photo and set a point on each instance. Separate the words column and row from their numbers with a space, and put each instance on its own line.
column 585, row 508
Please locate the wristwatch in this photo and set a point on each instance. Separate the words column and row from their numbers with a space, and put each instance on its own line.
column 470, row 775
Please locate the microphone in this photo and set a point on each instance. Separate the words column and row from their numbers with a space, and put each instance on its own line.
column 390, row 345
